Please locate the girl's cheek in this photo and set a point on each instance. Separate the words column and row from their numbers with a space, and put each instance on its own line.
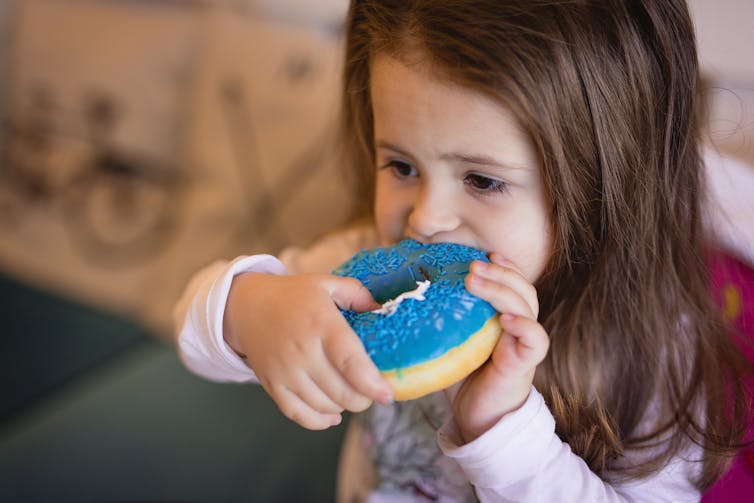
column 385, row 225
column 390, row 230
column 391, row 213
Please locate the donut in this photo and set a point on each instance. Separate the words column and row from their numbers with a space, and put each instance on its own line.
column 430, row 331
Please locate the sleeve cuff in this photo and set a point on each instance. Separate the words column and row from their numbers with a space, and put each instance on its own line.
column 200, row 340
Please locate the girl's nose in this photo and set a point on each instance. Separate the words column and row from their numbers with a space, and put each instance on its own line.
column 432, row 214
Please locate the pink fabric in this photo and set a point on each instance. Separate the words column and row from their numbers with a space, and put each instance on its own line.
column 733, row 286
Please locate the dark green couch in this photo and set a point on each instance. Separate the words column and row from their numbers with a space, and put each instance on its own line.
column 95, row 409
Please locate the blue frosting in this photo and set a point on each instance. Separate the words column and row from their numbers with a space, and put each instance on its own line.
column 419, row 331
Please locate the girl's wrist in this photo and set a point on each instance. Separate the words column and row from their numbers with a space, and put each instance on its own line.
column 514, row 401
column 229, row 333
column 231, row 342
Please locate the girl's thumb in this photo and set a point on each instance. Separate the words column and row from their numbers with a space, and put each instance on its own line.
column 350, row 294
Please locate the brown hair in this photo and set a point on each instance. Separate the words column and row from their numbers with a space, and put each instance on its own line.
column 607, row 91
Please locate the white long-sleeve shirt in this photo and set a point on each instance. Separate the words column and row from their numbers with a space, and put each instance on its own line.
column 411, row 451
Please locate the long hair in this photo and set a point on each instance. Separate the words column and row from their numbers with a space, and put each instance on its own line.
column 607, row 92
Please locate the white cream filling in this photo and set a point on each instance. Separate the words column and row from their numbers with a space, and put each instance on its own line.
column 391, row 306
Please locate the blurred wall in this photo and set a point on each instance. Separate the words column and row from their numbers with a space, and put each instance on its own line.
column 725, row 38
column 726, row 54
column 5, row 35
column 142, row 139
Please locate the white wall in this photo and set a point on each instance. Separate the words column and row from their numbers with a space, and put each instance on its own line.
column 725, row 33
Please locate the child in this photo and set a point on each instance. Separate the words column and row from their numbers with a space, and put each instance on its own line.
column 562, row 138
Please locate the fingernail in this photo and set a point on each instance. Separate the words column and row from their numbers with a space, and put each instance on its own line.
column 480, row 266
column 336, row 420
column 507, row 317
column 498, row 259
column 386, row 398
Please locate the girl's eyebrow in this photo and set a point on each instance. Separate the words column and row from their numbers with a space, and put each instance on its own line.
column 391, row 146
column 478, row 159
column 481, row 160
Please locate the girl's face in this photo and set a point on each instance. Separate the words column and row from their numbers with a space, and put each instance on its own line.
column 455, row 166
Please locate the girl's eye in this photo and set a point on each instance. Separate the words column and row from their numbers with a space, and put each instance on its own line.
column 401, row 169
column 482, row 183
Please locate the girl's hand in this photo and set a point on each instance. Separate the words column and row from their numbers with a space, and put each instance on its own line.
column 503, row 383
column 300, row 346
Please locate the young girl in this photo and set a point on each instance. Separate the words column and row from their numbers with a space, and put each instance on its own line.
column 562, row 138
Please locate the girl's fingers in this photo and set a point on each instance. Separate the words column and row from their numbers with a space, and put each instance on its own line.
column 350, row 294
column 300, row 412
column 498, row 259
column 501, row 296
column 505, row 273
column 524, row 343
column 348, row 356
column 338, row 390
column 344, row 350
column 310, row 391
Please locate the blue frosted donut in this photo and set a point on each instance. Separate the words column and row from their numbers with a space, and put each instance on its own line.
column 423, row 345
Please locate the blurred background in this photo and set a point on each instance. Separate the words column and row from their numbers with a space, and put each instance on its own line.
column 139, row 140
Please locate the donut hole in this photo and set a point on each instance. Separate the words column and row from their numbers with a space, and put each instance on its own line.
column 392, row 284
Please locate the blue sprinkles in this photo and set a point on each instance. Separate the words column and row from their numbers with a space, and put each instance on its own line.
column 419, row 331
